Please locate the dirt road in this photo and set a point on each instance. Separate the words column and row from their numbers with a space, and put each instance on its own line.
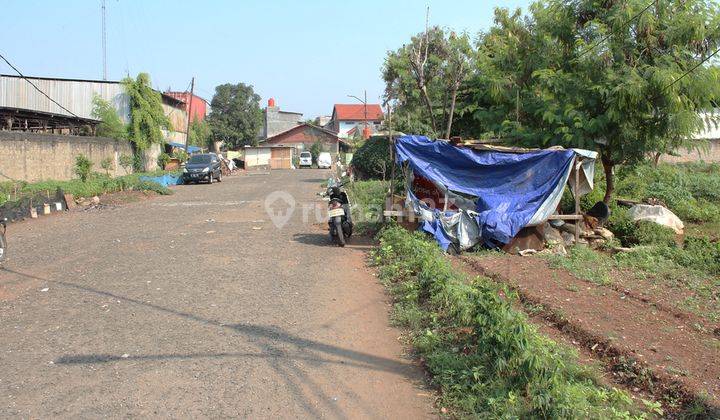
column 197, row 305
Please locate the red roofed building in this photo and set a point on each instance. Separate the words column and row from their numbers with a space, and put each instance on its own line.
column 348, row 118
column 303, row 136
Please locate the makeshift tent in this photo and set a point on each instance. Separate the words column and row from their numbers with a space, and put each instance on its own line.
column 497, row 193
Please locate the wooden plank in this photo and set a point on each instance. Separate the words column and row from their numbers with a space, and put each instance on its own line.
column 393, row 213
column 565, row 217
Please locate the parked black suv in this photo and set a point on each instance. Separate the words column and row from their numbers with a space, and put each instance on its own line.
column 202, row 167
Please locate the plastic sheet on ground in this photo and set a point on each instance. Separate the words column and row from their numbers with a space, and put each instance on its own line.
column 164, row 180
column 657, row 214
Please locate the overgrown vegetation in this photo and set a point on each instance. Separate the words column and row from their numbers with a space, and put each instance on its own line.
column 691, row 191
column 368, row 201
column 147, row 118
column 95, row 184
column 110, row 123
column 483, row 354
column 690, row 264
column 372, row 159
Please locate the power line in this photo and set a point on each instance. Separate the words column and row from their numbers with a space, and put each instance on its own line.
column 37, row 88
column 603, row 39
column 703, row 61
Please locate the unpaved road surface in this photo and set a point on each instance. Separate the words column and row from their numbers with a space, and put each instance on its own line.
column 196, row 305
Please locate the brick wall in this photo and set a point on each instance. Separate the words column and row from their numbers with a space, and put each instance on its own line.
column 35, row 157
column 712, row 154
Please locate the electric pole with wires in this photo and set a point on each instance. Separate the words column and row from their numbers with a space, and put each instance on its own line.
column 189, row 116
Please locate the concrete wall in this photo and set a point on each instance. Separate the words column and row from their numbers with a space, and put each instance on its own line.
column 276, row 121
column 36, row 157
column 711, row 155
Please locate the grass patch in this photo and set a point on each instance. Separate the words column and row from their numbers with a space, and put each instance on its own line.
column 368, row 201
column 691, row 191
column 695, row 267
column 485, row 357
column 96, row 184
column 584, row 263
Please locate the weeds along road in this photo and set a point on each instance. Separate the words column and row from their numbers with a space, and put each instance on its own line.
column 196, row 305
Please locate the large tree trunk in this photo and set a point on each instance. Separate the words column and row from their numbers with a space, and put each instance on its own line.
column 608, row 165
column 428, row 104
column 656, row 160
column 452, row 111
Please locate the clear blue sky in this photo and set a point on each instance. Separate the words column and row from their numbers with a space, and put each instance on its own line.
column 306, row 54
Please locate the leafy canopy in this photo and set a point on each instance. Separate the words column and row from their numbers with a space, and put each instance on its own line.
column 627, row 78
column 147, row 118
column 236, row 116
column 606, row 75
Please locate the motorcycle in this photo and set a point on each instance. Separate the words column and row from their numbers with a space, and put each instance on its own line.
column 339, row 218
column 3, row 242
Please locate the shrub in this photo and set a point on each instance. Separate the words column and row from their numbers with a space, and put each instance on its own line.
column 83, row 166
column 163, row 160
column 372, row 159
column 649, row 233
column 692, row 191
column 107, row 165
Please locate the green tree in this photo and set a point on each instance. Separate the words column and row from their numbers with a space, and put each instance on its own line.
column 315, row 150
column 236, row 116
column 110, row 123
column 200, row 133
column 606, row 75
column 147, row 118
column 424, row 78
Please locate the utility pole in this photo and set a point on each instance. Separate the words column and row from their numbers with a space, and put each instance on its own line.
column 104, row 42
column 189, row 118
column 365, row 103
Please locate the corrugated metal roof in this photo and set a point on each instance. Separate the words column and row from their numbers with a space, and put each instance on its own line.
column 75, row 95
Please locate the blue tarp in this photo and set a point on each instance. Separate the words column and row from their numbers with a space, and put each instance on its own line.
column 191, row 149
column 510, row 187
column 164, row 180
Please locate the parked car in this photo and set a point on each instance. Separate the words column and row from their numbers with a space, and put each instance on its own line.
column 202, row 167
column 324, row 160
column 305, row 159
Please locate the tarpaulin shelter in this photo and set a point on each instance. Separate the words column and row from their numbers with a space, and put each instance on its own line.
column 496, row 191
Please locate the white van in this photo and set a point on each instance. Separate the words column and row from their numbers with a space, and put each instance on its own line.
column 324, row 160
column 305, row 159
